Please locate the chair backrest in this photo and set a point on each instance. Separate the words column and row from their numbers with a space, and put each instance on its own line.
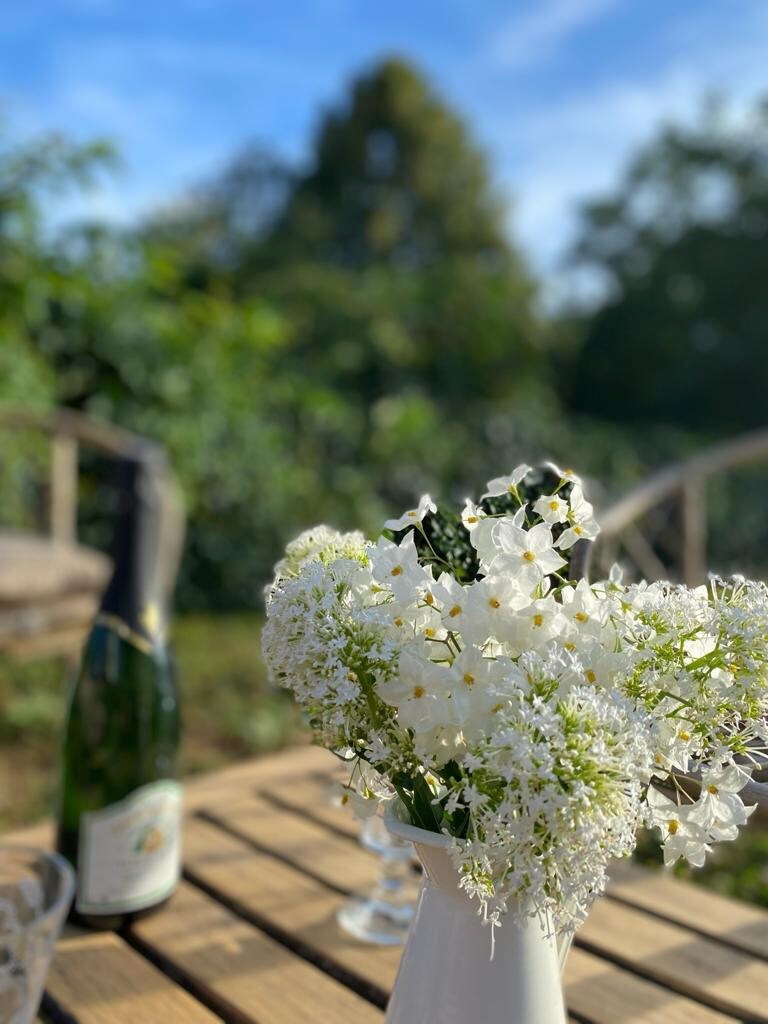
column 69, row 432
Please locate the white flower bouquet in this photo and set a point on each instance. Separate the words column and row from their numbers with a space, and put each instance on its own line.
column 536, row 719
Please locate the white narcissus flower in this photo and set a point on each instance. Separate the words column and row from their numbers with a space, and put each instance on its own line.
column 551, row 508
column 414, row 516
column 580, row 516
column 529, row 555
column 583, row 609
column 506, row 484
column 421, row 699
column 471, row 681
column 362, row 805
column 534, row 626
column 484, row 536
column 564, row 474
column 721, row 805
column 682, row 829
column 490, row 604
column 397, row 566
column 452, row 598
column 471, row 515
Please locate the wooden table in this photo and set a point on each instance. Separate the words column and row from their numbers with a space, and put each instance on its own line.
column 251, row 938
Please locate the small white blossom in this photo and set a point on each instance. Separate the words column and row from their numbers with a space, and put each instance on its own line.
column 551, row 508
column 506, row 484
column 414, row 516
column 528, row 555
column 580, row 516
column 471, row 515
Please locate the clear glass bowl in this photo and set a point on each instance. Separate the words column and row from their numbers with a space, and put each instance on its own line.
column 36, row 889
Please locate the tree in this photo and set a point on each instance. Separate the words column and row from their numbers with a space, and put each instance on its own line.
column 681, row 338
column 394, row 178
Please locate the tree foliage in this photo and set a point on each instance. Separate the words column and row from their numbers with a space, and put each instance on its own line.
column 308, row 345
column 683, row 245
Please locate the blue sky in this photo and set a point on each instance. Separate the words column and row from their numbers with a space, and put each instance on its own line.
column 559, row 92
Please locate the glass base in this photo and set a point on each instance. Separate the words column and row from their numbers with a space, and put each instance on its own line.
column 375, row 921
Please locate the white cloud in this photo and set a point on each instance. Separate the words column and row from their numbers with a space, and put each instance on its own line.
column 529, row 37
column 555, row 155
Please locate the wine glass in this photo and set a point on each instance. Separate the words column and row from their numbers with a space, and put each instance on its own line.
column 383, row 915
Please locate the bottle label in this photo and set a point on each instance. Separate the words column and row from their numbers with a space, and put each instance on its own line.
column 130, row 851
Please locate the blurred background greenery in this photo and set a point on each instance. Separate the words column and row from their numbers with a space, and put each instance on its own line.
column 324, row 342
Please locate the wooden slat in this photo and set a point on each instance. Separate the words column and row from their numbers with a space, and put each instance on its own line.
column 241, row 779
column 100, row 980
column 727, row 920
column 63, row 491
column 291, row 902
column 718, row 980
column 241, row 970
column 313, row 799
column 337, row 861
column 702, row 968
column 601, row 993
column 292, row 905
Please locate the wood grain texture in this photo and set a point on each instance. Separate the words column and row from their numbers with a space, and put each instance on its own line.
column 291, row 905
column 100, row 980
column 253, row 932
column 286, row 899
column 241, row 970
column 724, row 978
column 692, row 907
column 314, row 798
column 605, row 994
column 338, row 861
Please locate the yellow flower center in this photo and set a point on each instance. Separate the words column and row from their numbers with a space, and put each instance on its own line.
column 418, row 692
column 494, row 602
column 673, row 825
column 569, row 646
column 554, row 505
column 529, row 556
column 496, row 708
column 578, row 530
column 471, row 519
column 591, row 677
column 413, row 513
column 567, row 472
column 429, row 599
column 713, row 790
column 398, row 621
column 538, row 619
column 352, row 676
column 469, row 679
column 659, row 759
column 683, row 735
column 397, row 571
column 581, row 617
column 430, row 632
column 456, row 610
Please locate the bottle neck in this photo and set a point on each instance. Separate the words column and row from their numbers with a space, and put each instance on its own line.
column 133, row 600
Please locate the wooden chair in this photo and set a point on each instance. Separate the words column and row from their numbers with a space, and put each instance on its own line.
column 50, row 585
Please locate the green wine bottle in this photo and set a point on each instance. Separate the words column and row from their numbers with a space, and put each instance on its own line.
column 120, row 801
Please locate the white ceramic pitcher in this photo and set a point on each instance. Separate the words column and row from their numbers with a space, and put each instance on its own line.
column 447, row 975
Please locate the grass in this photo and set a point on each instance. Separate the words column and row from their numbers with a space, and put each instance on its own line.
column 230, row 711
